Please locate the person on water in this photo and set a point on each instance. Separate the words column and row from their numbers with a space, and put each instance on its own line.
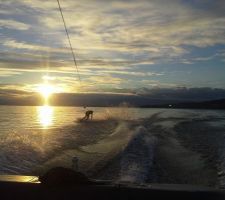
column 88, row 115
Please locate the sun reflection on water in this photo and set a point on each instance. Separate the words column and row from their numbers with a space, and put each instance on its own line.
column 45, row 115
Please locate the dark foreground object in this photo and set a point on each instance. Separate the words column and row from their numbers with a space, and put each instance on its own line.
column 29, row 187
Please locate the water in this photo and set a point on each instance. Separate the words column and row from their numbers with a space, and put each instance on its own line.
column 120, row 144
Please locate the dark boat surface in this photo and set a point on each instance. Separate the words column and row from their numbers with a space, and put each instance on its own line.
column 29, row 187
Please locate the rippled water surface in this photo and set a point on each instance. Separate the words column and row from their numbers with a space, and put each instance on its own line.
column 120, row 144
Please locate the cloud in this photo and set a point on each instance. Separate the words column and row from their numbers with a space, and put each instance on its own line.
column 131, row 25
column 183, row 93
column 13, row 44
column 28, row 62
column 113, row 40
column 12, row 24
column 7, row 73
column 16, row 95
column 132, row 73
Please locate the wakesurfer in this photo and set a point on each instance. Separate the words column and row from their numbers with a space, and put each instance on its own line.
column 88, row 115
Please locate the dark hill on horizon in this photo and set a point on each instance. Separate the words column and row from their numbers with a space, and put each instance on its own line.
column 213, row 104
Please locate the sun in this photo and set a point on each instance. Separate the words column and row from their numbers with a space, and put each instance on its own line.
column 46, row 90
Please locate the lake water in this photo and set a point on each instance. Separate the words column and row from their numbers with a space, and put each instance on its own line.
column 119, row 144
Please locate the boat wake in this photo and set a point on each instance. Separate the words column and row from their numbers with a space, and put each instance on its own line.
column 137, row 158
column 161, row 148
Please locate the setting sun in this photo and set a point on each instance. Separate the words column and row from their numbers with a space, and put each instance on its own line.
column 46, row 90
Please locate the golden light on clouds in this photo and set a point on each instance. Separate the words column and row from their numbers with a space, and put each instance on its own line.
column 115, row 50
column 46, row 77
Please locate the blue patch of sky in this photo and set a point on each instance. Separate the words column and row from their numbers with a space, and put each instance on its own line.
column 206, row 4
column 204, row 51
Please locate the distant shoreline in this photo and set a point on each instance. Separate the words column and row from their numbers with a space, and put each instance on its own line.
column 209, row 105
column 214, row 104
column 141, row 107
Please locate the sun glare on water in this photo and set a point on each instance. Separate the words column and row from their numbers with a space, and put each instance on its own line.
column 45, row 112
column 45, row 115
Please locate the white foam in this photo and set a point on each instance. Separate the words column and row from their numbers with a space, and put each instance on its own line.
column 137, row 158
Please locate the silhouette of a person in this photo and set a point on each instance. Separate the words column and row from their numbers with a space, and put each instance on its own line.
column 88, row 115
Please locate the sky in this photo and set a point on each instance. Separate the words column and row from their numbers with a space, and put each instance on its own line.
column 153, row 48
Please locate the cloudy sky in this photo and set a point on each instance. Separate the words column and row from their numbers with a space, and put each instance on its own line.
column 121, row 46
